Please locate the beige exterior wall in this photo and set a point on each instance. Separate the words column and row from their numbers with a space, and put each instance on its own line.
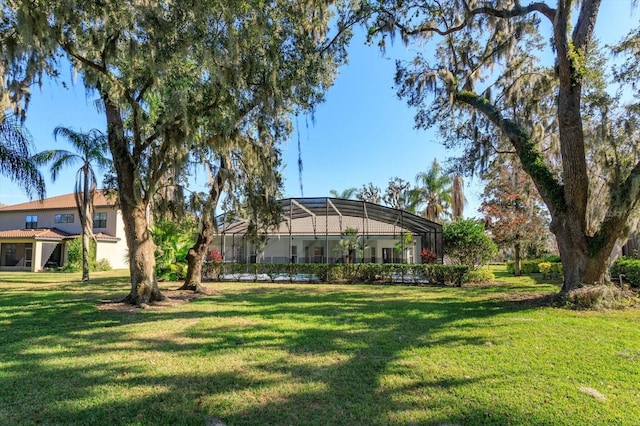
column 46, row 219
column 114, row 222
column 112, row 251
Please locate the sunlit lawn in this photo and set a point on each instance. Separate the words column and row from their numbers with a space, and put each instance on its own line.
column 312, row 354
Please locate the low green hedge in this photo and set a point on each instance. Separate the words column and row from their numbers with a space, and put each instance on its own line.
column 551, row 270
column 531, row 266
column 628, row 268
column 349, row 273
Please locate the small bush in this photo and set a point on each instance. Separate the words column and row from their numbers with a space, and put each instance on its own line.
column 511, row 267
column 427, row 256
column 532, row 266
column 103, row 265
column 553, row 258
column 628, row 268
column 481, row 275
column 529, row 266
column 551, row 270
column 545, row 268
column 557, row 270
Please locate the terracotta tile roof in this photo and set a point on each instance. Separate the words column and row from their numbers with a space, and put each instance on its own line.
column 103, row 236
column 49, row 234
column 38, row 234
column 60, row 202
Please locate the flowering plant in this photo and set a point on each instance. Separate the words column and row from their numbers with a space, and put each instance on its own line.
column 428, row 256
column 214, row 255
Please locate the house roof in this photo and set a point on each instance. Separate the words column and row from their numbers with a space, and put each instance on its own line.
column 105, row 237
column 38, row 234
column 54, row 234
column 66, row 201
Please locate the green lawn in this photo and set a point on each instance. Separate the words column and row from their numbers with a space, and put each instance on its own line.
column 312, row 354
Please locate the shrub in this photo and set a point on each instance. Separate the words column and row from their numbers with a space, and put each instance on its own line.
column 103, row 265
column 173, row 241
column 552, row 258
column 466, row 243
column 511, row 266
column 532, row 266
column 427, row 256
column 74, row 256
column 481, row 275
column 628, row 268
column 545, row 268
column 557, row 270
column 214, row 255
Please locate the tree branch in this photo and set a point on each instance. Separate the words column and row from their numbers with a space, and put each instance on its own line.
column 516, row 11
column 530, row 157
column 586, row 23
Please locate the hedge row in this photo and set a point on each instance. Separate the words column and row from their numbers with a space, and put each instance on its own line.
column 340, row 272
column 531, row 266
column 628, row 268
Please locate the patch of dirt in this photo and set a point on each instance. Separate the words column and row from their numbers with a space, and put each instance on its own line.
column 525, row 299
column 172, row 298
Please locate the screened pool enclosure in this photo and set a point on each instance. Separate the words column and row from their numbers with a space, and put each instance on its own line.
column 332, row 230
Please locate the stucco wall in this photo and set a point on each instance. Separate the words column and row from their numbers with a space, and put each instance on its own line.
column 115, row 252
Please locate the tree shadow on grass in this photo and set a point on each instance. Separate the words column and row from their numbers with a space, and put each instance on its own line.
column 288, row 354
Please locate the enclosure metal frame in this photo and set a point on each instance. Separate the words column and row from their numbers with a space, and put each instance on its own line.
column 296, row 208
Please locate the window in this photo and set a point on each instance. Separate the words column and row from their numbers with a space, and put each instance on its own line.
column 318, row 254
column 100, row 220
column 64, row 218
column 31, row 222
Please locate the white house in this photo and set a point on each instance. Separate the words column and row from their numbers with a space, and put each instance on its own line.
column 33, row 234
column 314, row 230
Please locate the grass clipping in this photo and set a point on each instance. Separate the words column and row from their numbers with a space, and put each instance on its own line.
column 600, row 297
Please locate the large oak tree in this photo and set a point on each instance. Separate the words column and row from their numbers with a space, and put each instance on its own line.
column 502, row 70
column 165, row 70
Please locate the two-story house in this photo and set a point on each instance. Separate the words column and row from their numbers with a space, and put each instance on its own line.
column 33, row 234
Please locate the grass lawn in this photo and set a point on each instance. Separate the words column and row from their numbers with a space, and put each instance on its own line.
column 287, row 354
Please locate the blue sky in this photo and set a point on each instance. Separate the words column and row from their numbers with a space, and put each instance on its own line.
column 362, row 133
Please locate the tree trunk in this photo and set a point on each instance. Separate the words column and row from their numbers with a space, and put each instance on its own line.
column 195, row 256
column 142, row 262
column 518, row 261
column 583, row 262
column 85, row 256
column 86, row 231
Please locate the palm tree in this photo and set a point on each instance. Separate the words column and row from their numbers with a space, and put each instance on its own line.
column 433, row 190
column 346, row 194
column 91, row 148
column 457, row 197
column 15, row 156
